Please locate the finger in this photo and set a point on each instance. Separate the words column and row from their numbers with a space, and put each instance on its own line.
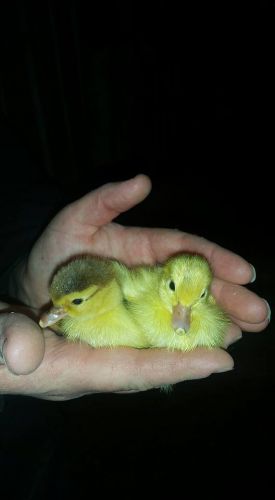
column 71, row 370
column 105, row 203
column 240, row 302
column 133, row 369
column 250, row 327
column 154, row 368
column 225, row 264
column 21, row 343
column 233, row 334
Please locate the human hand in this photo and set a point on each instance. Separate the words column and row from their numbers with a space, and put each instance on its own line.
column 69, row 370
column 85, row 227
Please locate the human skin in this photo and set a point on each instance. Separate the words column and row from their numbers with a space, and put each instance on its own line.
column 42, row 364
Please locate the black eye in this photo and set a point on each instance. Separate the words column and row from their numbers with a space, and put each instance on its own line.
column 172, row 285
column 77, row 301
column 203, row 294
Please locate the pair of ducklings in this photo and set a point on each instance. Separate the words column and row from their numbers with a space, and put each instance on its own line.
column 105, row 303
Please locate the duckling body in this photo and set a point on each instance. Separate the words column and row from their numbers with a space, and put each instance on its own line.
column 105, row 303
column 174, row 305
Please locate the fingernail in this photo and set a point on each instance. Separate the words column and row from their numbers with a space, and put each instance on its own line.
column 226, row 368
column 253, row 274
column 232, row 341
column 238, row 338
column 2, row 357
column 268, row 310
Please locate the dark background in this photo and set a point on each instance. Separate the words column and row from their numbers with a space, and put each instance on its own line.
column 91, row 93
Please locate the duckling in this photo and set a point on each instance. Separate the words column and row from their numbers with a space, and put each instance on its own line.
column 88, row 305
column 175, row 308
column 105, row 303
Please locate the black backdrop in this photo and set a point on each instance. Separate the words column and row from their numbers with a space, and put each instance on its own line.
column 185, row 94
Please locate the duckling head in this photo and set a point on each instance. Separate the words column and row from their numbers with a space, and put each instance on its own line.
column 75, row 287
column 184, row 287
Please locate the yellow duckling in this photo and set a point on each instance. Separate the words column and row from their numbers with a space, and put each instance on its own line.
column 88, row 305
column 104, row 303
column 173, row 304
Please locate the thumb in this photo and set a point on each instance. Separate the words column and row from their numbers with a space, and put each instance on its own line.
column 105, row 203
column 22, row 343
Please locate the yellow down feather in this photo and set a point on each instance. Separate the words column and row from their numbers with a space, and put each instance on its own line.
column 88, row 305
column 105, row 303
column 176, row 308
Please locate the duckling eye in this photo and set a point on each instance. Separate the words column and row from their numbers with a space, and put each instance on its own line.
column 77, row 301
column 203, row 294
column 172, row 285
